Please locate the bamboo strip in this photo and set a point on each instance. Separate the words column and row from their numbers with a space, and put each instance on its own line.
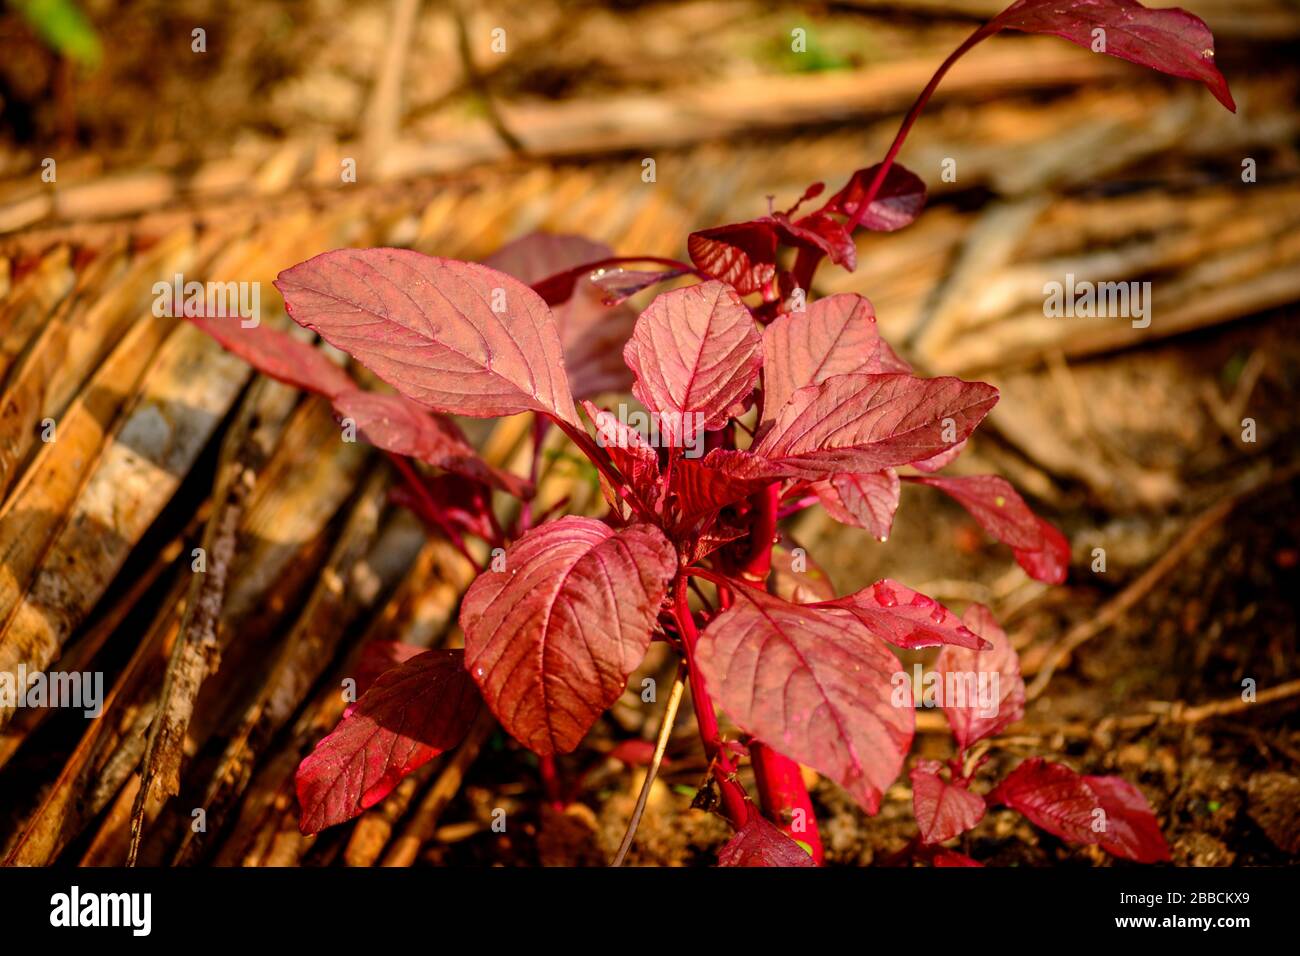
column 293, row 434
column 189, row 388
column 196, row 652
column 717, row 109
column 33, row 298
column 342, row 592
column 91, row 777
column 34, row 513
column 81, row 654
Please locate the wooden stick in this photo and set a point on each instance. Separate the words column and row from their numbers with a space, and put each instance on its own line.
column 304, row 656
column 661, row 745
column 1122, row 603
column 195, row 654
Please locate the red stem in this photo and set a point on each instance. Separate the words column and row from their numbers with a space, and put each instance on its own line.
column 734, row 802
column 983, row 33
column 431, row 507
column 540, row 423
column 763, row 536
column 721, row 580
column 784, row 798
column 781, row 791
column 600, row 458
column 550, row 775
column 807, row 501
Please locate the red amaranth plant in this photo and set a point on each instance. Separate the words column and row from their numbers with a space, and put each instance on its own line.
column 761, row 408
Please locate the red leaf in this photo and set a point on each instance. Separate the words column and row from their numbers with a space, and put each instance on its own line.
column 943, row 857
column 636, row 753
column 941, row 460
column 390, row 422
column 411, row 714
column 1039, row 548
column 635, row 460
column 743, row 255
column 540, row 255
column 795, row 677
column 895, row 613
column 615, row 282
column 943, row 810
column 397, row 424
column 861, row 423
column 819, row 232
column 427, row 327
column 1129, row 829
column 463, row 503
column 709, row 538
column 701, row 486
column 616, row 285
column 1049, row 563
column 694, row 352
column 1170, row 40
column 899, row 200
column 835, row 336
column 1104, row 810
column 552, row 638
column 760, row 843
column 864, row 501
column 377, row 659
column 955, row 663
column 591, row 332
column 1051, row 796
column 812, row 192
column 278, row 355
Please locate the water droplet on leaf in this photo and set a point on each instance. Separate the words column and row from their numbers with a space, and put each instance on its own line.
column 885, row 596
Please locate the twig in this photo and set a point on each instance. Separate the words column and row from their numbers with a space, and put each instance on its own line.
column 1233, row 705
column 665, row 731
column 1123, row 602
column 1135, row 592
column 196, row 652
column 1227, row 414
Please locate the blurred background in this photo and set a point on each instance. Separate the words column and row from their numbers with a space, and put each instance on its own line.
column 232, row 140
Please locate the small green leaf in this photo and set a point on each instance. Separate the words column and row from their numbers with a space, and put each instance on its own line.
column 64, row 27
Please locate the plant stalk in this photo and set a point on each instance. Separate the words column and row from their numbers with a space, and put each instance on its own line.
column 784, row 797
column 432, row 508
column 734, row 801
column 983, row 33
column 550, row 775
column 781, row 791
